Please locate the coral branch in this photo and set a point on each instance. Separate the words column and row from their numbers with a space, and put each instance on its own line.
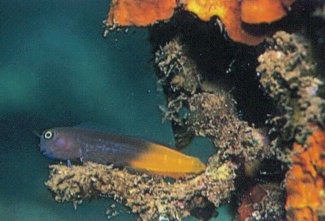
column 210, row 110
column 288, row 76
column 150, row 197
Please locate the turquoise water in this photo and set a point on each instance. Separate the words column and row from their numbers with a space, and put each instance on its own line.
column 56, row 69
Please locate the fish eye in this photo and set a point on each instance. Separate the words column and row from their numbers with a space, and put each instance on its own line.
column 48, row 135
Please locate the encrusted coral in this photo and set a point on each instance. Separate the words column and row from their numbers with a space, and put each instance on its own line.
column 305, row 179
column 288, row 75
column 230, row 12
column 209, row 110
column 150, row 197
column 212, row 115
column 177, row 69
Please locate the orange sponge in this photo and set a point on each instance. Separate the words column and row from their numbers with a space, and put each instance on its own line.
column 305, row 181
column 139, row 13
column 259, row 11
column 231, row 13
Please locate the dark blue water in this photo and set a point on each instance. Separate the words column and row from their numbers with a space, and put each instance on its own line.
column 56, row 69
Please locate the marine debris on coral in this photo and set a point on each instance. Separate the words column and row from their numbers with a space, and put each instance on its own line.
column 231, row 13
column 149, row 197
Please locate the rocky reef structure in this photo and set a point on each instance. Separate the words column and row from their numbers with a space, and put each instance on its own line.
column 288, row 75
column 200, row 101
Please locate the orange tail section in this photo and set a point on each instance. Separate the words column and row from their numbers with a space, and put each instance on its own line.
column 162, row 160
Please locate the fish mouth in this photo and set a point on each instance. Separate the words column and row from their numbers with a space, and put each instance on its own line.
column 43, row 152
column 47, row 153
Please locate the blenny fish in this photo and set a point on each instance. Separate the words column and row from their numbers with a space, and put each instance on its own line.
column 81, row 144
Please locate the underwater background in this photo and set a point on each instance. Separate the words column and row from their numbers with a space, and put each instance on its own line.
column 56, row 69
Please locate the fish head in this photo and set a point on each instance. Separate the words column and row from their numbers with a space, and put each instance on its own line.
column 59, row 144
